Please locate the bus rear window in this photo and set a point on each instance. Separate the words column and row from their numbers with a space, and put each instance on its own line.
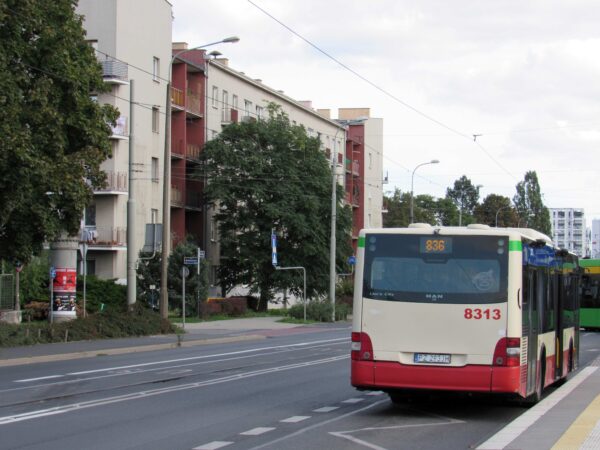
column 448, row 269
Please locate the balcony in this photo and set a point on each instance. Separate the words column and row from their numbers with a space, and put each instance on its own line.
column 193, row 152
column 352, row 167
column 176, row 197
column 116, row 183
column 120, row 130
column 177, row 99
column 114, row 72
column 193, row 107
column 104, row 238
column 177, row 149
column 193, row 200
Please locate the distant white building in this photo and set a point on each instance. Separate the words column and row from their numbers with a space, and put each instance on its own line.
column 568, row 229
column 595, row 239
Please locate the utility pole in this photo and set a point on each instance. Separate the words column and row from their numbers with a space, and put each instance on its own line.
column 131, row 247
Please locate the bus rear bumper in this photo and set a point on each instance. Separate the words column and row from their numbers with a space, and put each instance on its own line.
column 378, row 375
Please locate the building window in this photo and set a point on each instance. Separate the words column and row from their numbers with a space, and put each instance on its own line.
column 90, row 266
column 247, row 107
column 155, row 119
column 155, row 68
column 234, row 102
column 226, row 116
column 259, row 112
column 215, row 96
column 90, row 215
column 154, row 215
column 155, row 170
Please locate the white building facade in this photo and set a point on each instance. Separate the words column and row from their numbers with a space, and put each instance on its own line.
column 595, row 239
column 232, row 96
column 132, row 39
column 569, row 229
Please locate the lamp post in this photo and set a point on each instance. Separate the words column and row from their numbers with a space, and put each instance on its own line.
column 412, row 183
column 166, row 219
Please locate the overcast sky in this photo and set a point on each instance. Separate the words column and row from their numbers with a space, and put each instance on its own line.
column 524, row 75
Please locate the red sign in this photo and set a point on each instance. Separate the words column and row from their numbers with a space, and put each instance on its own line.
column 65, row 280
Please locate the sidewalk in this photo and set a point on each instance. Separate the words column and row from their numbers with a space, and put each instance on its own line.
column 214, row 332
column 569, row 418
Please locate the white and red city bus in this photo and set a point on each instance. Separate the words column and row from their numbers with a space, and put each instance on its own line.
column 472, row 309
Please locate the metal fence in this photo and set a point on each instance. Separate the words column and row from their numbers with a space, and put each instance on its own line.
column 7, row 291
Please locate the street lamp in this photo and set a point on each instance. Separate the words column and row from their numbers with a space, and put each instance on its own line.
column 166, row 219
column 412, row 182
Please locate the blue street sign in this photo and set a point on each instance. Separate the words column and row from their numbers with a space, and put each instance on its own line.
column 52, row 272
column 274, row 249
column 352, row 260
column 190, row 261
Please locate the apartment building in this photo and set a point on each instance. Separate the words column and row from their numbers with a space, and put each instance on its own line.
column 595, row 239
column 364, row 168
column 132, row 39
column 569, row 229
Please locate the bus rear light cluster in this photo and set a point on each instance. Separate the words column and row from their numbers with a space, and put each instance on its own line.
column 362, row 348
column 508, row 352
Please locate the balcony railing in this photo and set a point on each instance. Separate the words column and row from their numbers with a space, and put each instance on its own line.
column 115, row 182
column 114, row 72
column 176, row 197
column 193, row 200
column 177, row 98
column 193, row 152
column 104, row 236
column 120, row 130
column 193, row 104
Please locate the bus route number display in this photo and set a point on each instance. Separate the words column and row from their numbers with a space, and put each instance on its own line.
column 436, row 245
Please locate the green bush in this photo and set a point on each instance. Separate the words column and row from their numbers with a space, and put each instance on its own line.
column 319, row 311
column 114, row 323
column 98, row 292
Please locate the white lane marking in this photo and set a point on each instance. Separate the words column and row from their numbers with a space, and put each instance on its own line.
column 192, row 358
column 353, row 400
column 317, row 425
column 514, row 429
column 326, row 409
column 257, row 431
column 295, row 419
column 347, row 434
column 165, row 390
column 214, row 445
column 375, row 393
column 27, row 380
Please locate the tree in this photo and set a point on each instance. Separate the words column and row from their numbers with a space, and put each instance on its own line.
column 530, row 206
column 465, row 196
column 269, row 175
column 496, row 207
column 54, row 135
column 196, row 287
column 398, row 209
column 446, row 212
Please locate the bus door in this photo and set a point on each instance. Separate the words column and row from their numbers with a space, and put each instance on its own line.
column 557, row 301
column 530, row 324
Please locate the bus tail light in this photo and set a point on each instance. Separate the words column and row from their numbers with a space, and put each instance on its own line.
column 362, row 348
column 508, row 352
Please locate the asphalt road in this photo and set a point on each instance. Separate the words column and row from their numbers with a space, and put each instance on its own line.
column 289, row 391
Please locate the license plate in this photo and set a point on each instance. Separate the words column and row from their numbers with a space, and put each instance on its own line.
column 431, row 358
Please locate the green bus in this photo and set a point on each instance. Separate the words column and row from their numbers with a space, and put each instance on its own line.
column 590, row 294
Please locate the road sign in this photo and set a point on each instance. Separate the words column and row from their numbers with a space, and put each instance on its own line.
column 352, row 260
column 201, row 254
column 190, row 261
column 52, row 273
column 274, row 249
column 185, row 272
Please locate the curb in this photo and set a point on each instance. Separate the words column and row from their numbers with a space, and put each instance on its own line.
column 123, row 350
